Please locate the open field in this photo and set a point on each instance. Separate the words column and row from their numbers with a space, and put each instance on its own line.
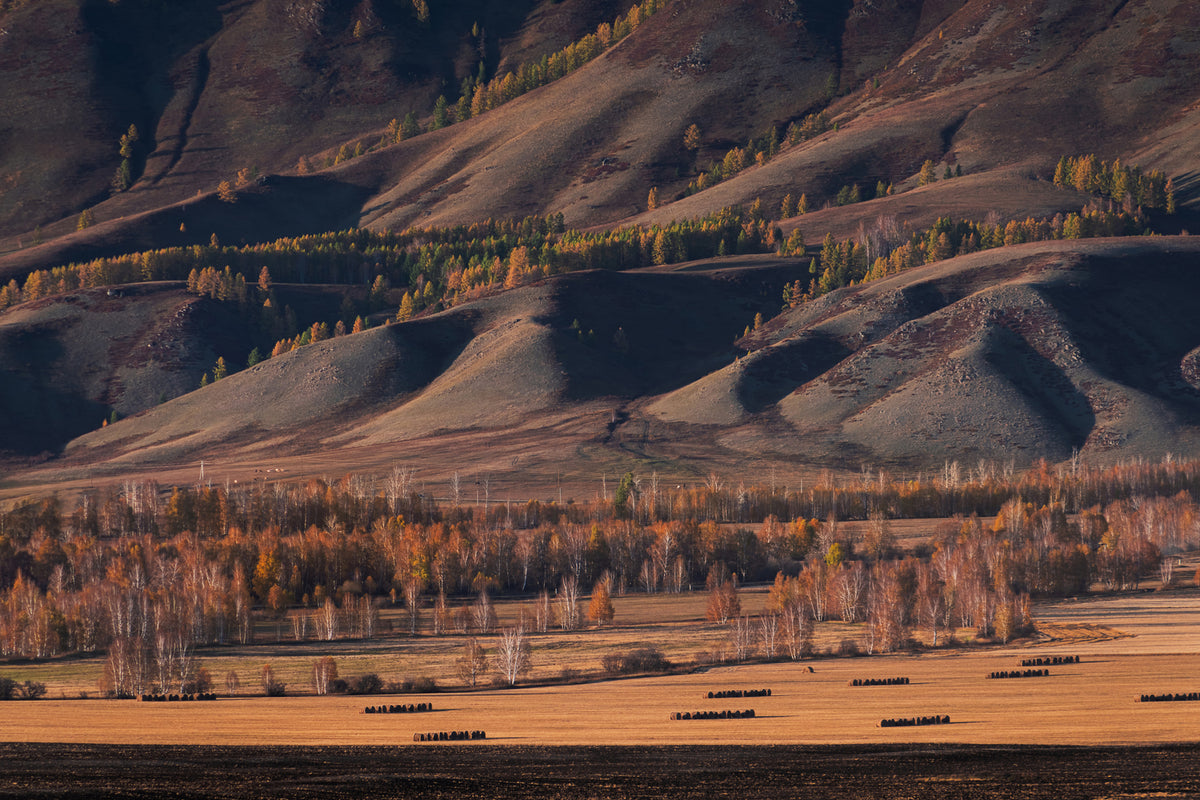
column 1077, row 734
column 1090, row 703
column 1142, row 644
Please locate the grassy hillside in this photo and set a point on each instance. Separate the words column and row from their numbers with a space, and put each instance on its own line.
column 270, row 119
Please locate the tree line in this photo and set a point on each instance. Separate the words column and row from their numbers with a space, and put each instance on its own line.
column 886, row 248
column 437, row 267
column 153, row 574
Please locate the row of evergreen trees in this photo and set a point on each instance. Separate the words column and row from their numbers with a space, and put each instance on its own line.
column 887, row 249
column 1125, row 184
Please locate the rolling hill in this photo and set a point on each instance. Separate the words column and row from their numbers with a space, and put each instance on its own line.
column 1037, row 350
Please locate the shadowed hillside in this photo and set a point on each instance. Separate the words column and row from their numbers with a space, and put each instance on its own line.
column 1034, row 351
column 973, row 85
column 263, row 121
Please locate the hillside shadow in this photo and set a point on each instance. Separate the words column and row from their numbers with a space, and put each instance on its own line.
column 38, row 413
column 430, row 346
column 773, row 373
column 1130, row 326
column 1045, row 386
column 632, row 334
column 281, row 206
column 138, row 45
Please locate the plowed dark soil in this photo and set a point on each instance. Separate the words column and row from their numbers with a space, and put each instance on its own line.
column 480, row 771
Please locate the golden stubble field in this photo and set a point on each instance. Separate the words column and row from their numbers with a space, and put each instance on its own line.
column 1147, row 643
column 1090, row 703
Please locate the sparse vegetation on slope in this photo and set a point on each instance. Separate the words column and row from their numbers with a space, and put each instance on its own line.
column 846, row 114
column 438, row 268
column 846, row 263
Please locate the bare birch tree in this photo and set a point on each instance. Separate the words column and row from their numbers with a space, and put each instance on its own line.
column 300, row 625
column 326, row 620
column 741, row 637
column 472, row 663
column 513, row 654
column 570, row 615
column 930, row 601
column 483, row 613
column 542, row 612
column 324, row 673
column 796, row 629
column 768, row 635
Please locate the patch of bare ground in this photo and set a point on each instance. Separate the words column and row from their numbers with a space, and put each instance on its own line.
column 906, row 772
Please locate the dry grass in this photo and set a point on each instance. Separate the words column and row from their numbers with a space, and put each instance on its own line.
column 1088, row 703
column 1131, row 645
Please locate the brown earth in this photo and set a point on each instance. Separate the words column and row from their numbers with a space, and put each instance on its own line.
column 1142, row 643
column 1078, row 732
column 904, row 772
column 1094, row 702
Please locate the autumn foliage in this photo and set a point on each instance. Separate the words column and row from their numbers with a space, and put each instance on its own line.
column 149, row 575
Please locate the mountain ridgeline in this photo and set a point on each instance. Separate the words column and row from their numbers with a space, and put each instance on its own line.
column 587, row 237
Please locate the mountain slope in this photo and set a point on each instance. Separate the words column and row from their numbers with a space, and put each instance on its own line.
column 586, row 338
column 1032, row 351
column 1010, row 354
column 978, row 85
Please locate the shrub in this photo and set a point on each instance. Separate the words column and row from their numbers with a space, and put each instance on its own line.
column 32, row 690
column 14, row 690
column 365, row 684
column 423, row 684
column 644, row 659
column 200, row 684
column 847, row 647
